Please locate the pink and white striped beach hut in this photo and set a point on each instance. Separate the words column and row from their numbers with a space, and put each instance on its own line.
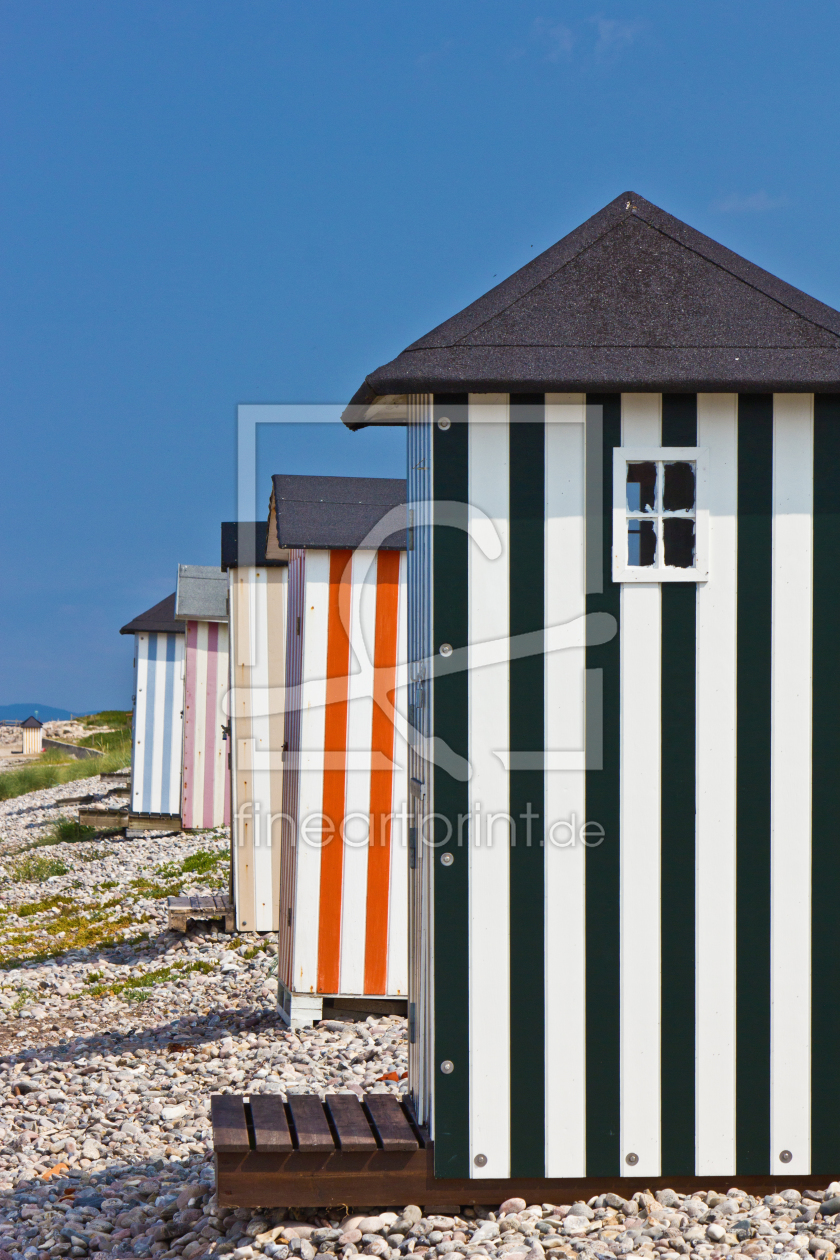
column 201, row 602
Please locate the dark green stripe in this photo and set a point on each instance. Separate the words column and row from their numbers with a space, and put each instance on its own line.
column 527, row 705
column 603, row 1156
column 755, row 546
column 451, row 883
column 825, row 839
column 678, row 818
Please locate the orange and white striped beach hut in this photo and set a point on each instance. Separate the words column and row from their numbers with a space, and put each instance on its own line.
column 343, row 912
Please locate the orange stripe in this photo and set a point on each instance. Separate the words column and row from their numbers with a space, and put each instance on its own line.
column 381, row 781
column 335, row 741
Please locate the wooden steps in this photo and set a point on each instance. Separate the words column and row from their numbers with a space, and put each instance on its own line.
column 352, row 1153
column 304, row 1151
column 182, row 909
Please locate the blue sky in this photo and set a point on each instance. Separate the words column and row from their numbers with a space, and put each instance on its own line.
column 208, row 202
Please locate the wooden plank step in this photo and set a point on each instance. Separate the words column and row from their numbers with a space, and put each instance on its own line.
column 271, row 1124
column 351, row 1123
column 104, row 819
column 389, row 1122
column 230, row 1129
column 312, row 1128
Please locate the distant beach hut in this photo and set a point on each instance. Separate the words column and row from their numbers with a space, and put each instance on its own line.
column 201, row 602
column 257, row 600
column 32, row 731
column 157, row 729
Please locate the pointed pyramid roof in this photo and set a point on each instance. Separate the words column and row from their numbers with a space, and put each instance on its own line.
column 633, row 299
column 159, row 619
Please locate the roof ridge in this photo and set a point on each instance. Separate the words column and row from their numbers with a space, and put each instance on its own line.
column 599, row 225
column 715, row 262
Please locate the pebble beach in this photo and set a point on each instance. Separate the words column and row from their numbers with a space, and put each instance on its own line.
column 114, row 1032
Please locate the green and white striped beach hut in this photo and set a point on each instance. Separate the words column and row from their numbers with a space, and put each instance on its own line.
column 624, row 572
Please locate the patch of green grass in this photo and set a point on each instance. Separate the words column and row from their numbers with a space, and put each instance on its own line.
column 156, row 891
column 108, row 717
column 108, row 885
column 69, row 830
column 93, row 976
column 47, row 903
column 138, row 995
column 49, row 773
column 34, row 870
column 133, row 984
column 201, row 862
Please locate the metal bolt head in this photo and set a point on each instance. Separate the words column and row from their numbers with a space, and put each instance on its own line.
column 445, row 649
column 447, row 1067
column 480, row 1161
column 446, row 859
column 631, row 1158
column 785, row 1157
column 444, row 423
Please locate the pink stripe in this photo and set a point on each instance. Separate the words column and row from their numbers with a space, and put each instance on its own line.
column 210, row 720
column 188, row 788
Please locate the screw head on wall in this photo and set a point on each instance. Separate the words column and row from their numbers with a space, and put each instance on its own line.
column 785, row 1157
column 444, row 423
column 447, row 1067
column 446, row 859
column 631, row 1158
column 445, row 649
column 480, row 1161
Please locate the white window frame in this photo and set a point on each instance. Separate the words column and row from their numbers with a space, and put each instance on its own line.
column 621, row 570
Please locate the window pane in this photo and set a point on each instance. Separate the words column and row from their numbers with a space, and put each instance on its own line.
column 641, row 543
column 679, row 488
column 641, row 487
column 679, row 542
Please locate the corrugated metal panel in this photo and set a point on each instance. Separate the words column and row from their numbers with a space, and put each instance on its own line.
column 32, row 739
column 206, row 773
column 258, row 651
column 658, row 977
column 158, row 724
column 345, row 775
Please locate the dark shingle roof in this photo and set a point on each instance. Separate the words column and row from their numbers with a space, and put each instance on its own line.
column 338, row 512
column 633, row 299
column 159, row 619
column 243, row 543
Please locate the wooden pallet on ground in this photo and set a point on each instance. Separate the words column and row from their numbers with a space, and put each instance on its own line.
column 347, row 1152
column 183, row 909
column 116, row 818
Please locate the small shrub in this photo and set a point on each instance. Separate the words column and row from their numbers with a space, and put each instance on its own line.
column 69, row 830
column 201, row 862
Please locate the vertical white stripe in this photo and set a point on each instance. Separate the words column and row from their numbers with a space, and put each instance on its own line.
column 397, row 974
column 357, row 784
column 176, row 748
column 198, row 722
column 160, row 717
column 790, row 873
column 313, row 694
column 260, row 731
column 641, row 674
column 488, row 846
column 565, row 799
column 717, row 607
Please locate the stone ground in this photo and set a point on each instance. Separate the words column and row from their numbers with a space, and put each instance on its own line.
column 114, row 1032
